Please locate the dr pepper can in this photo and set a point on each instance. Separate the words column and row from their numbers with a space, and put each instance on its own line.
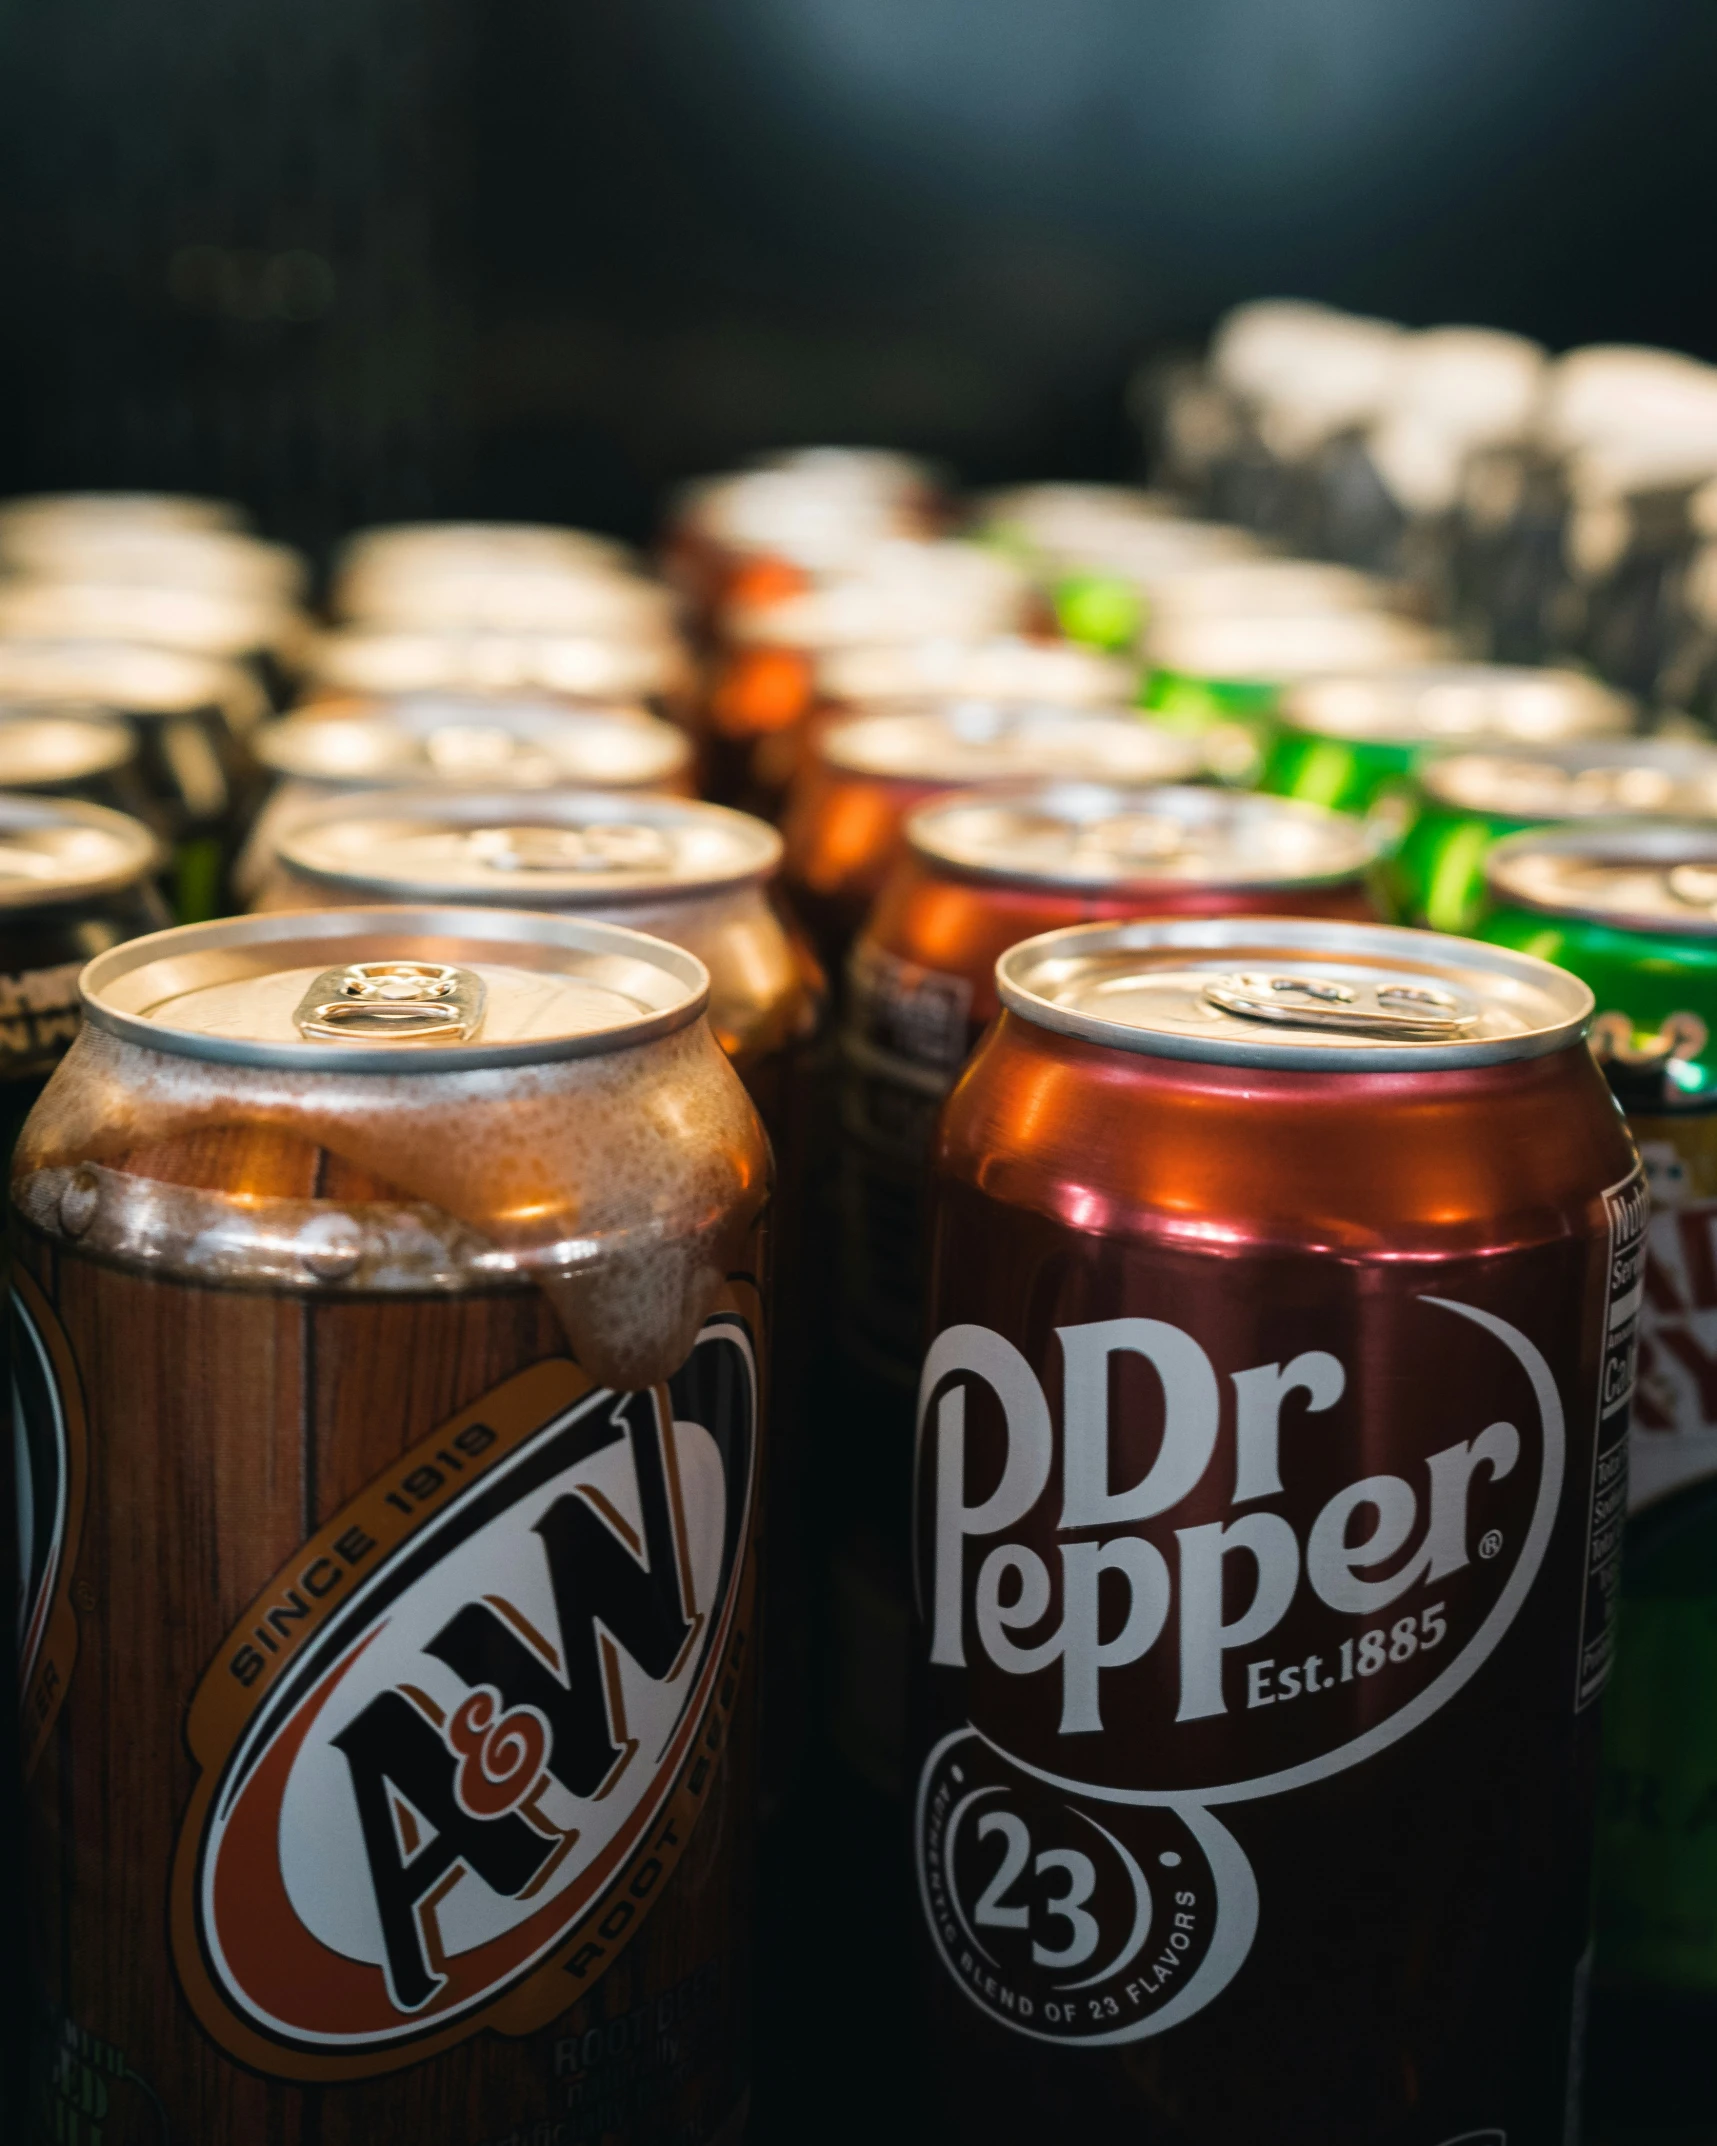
column 387, row 1306
column 1270, row 1444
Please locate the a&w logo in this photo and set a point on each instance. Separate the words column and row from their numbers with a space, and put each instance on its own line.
column 452, row 1752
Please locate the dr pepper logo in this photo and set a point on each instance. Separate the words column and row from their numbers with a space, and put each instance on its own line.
column 451, row 1753
column 1171, row 1583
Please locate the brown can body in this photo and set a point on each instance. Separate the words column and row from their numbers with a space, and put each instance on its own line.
column 278, row 1466
column 1275, row 1869
column 921, row 990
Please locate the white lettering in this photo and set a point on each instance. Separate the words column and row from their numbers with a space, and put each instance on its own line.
column 1204, row 1636
column 1086, row 1655
column 1331, row 1560
column 1191, row 1412
column 1258, row 1396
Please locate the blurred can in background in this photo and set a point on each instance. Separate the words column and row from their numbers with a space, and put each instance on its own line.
column 977, row 873
column 336, row 747
column 1283, row 1295
column 1354, row 743
column 1631, row 908
column 72, row 752
column 75, row 879
column 864, row 774
column 763, row 681
column 1470, row 800
column 1227, row 674
column 193, row 718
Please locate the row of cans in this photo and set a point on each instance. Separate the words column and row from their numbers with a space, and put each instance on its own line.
column 1554, row 508
column 1252, row 1327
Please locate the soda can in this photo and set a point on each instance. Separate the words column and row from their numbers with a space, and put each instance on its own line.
column 388, row 1286
column 1011, row 670
column 1355, row 743
column 406, row 564
column 1631, row 909
column 1282, row 1306
column 194, row 719
column 34, row 531
column 862, row 775
column 74, row 752
column 333, row 749
column 977, row 873
column 385, row 663
column 75, row 879
column 763, row 681
column 1227, row 674
column 1468, row 801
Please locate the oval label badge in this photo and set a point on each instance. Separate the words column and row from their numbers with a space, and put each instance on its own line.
column 451, row 1752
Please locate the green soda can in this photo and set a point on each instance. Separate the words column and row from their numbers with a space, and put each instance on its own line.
column 1357, row 743
column 1469, row 801
column 1206, row 671
column 1630, row 906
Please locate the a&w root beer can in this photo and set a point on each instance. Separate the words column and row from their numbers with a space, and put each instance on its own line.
column 389, row 1331
column 1270, row 1442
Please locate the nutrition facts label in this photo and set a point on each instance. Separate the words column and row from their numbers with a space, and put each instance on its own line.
column 1629, row 1210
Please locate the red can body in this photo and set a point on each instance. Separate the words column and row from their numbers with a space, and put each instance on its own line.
column 1268, row 1450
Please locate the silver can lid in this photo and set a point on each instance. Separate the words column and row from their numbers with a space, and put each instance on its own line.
column 571, row 667
column 127, row 679
column 565, row 850
column 1277, row 650
column 1094, row 835
column 969, row 742
column 47, row 752
column 1440, row 702
column 432, row 738
column 1648, row 875
column 1606, row 779
column 55, row 850
column 394, row 990
column 1058, row 674
column 1305, row 996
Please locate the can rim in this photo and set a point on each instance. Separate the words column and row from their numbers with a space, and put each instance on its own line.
column 1665, row 842
column 331, row 935
column 1691, row 758
column 1401, row 689
column 835, row 747
column 110, row 742
column 535, row 808
column 665, row 746
column 141, row 849
column 1383, row 942
column 920, row 825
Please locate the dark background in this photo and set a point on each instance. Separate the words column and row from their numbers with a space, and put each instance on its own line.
column 360, row 258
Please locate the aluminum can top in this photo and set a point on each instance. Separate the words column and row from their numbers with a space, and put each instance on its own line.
column 400, row 552
column 1642, row 875
column 128, row 678
column 1009, row 668
column 436, row 738
column 42, row 518
column 898, row 591
column 1097, row 836
column 1605, row 778
column 597, row 600
column 1294, row 995
column 1265, row 588
column 55, row 850
column 1278, row 650
column 391, row 991
column 55, row 750
column 969, row 742
column 1440, row 702
column 200, row 621
column 567, row 849
column 575, row 667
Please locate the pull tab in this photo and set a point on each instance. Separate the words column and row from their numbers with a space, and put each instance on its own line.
column 392, row 1002
column 605, row 846
column 1405, row 1012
